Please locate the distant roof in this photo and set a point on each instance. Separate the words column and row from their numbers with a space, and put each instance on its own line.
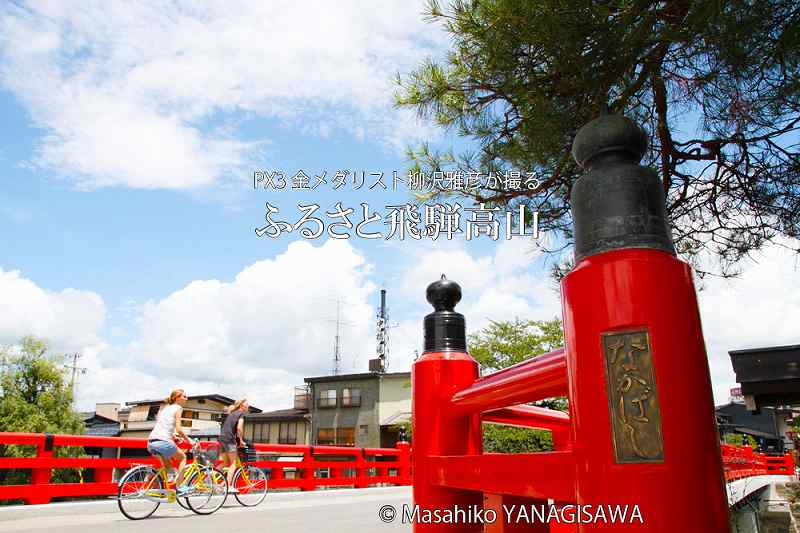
column 400, row 417
column 769, row 375
column 102, row 430
column 756, row 433
column 766, row 350
column 98, row 419
column 280, row 414
column 216, row 397
column 352, row 377
column 738, row 418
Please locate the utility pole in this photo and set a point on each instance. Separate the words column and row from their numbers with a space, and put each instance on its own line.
column 75, row 371
column 337, row 355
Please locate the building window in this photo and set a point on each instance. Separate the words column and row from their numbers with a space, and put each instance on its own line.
column 201, row 400
column 363, row 430
column 346, row 436
column 152, row 413
column 351, row 397
column 327, row 398
column 287, row 433
column 261, row 432
column 189, row 414
column 326, row 436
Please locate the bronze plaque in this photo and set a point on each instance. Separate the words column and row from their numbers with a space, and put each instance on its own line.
column 633, row 397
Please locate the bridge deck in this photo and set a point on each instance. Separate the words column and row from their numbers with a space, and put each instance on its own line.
column 334, row 511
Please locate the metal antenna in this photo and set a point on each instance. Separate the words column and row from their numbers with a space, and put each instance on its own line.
column 383, row 332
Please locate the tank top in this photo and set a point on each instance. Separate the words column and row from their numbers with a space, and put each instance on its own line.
column 165, row 423
column 228, row 432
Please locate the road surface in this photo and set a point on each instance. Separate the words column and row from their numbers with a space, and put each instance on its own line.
column 326, row 511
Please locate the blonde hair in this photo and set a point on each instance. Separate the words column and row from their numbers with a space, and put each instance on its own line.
column 236, row 405
column 174, row 395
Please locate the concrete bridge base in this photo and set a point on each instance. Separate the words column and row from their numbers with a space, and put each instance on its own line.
column 764, row 510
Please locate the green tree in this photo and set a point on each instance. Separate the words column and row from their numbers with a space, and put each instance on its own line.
column 505, row 343
column 35, row 398
column 716, row 86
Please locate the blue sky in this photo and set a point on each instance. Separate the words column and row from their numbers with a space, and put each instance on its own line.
column 128, row 143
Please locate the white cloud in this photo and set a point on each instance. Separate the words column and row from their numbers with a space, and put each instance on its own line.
column 70, row 319
column 506, row 285
column 758, row 309
column 125, row 91
column 257, row 335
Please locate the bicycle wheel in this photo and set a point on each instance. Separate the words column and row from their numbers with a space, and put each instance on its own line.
column 251, row 484
column 140, row 492
column 208, row 490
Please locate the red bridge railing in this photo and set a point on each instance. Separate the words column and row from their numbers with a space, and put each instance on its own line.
column 742, row 461
column 292, row 466
column 299, row 466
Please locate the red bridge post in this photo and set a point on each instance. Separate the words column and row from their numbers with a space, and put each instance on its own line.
column 644, row 430
column 443, row 369
column 42, row 476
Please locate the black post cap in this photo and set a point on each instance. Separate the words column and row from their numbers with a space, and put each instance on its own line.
column 445, row 329
column 618, row 203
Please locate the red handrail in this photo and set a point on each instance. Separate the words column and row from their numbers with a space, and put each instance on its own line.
column 742, row 461
column 292, row 466
column 543, row 376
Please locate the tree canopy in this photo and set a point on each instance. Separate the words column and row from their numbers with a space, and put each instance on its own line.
column 35, row 398
column 715, row 85
column 500, row 345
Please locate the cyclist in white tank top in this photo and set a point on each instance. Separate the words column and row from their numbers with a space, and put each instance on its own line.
column 161, row 441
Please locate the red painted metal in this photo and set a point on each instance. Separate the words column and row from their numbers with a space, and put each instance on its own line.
column 292, row 466
column 437, row 430
column 531, row 475
column 644, row 289
column 742, row 461
column 535, row 379
column 611, row 292
column 529, row 416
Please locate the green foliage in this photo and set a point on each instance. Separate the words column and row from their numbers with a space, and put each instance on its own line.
column 35, row 398
column 506, row 343
column 716, row 86
column 740, row 440
column 507, row 439
column 733, row 438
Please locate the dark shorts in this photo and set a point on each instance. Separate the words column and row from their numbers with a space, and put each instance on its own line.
column 229, row 447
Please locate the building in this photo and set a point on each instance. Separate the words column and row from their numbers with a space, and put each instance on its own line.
column 768, row 376
column 364, row 410
column 99, row 426
column 103, row 421
column 768, row 428
column 284, row 426
column 201, row 414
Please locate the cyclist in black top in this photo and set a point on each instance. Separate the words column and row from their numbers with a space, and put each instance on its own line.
column 231, row 437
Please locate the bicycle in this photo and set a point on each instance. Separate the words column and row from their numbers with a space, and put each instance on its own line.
column 249, row 482
column 144, row 488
